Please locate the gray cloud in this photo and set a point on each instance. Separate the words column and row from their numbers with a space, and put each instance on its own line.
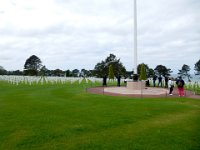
column 72, row 34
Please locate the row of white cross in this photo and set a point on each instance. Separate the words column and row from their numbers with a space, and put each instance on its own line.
column 32, row 80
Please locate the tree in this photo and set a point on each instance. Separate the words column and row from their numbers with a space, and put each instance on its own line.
column 149, row 71
column 92, row 73
column 85, row 73
column 140, row 66
column 32, row 65
column 75, row 73
column 102, row 68
column 111, row 73
column 184, row 72
column 68, row 73
column 58, row 72
column 16, row 72
column 143, row 74
column 2, row 71
column 1, row 68
column 197, row 68
column 162, row 70
column 43, row 71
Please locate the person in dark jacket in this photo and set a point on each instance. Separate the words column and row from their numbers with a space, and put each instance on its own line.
column 104, row 80
column 166, row 81
column 160, row 81
column 154, row 80
column 147, row 83
column 180, row 84
column 118, row 80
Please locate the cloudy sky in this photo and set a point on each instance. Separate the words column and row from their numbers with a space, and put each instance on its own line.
column 69, row 34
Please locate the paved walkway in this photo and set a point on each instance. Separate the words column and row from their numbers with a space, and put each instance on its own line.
column 147, row 92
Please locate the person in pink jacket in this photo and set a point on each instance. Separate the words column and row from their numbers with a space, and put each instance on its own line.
column 180, row 84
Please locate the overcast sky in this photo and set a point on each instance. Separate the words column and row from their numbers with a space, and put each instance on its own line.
column 70, row 34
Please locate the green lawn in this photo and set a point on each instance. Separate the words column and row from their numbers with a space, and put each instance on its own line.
column 62, row 117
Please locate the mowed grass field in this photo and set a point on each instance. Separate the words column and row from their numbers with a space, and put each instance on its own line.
column 65, row 117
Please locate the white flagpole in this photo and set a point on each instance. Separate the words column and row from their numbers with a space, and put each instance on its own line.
column 135, row 37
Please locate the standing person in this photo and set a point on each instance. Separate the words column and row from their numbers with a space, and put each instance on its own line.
column 160, row 81
column 125, row 81
column 104, row 80
column 180, row 83
column 171, row 86
column 147, row 83
column 154, row 80
column 166, row 81
column 118, row 80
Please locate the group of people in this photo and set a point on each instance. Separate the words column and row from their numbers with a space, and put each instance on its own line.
column 105, row 80
column 160, row 83
column 180, row 85
column 169, row 83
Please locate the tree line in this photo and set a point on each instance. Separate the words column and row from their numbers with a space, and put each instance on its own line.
column 111, row 67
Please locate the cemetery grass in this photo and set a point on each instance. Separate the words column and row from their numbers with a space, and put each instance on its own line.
column 64, row 116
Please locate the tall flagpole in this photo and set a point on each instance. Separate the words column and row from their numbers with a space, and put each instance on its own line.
column 135, row 38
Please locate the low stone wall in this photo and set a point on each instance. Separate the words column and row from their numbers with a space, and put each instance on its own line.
column 135, row 85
